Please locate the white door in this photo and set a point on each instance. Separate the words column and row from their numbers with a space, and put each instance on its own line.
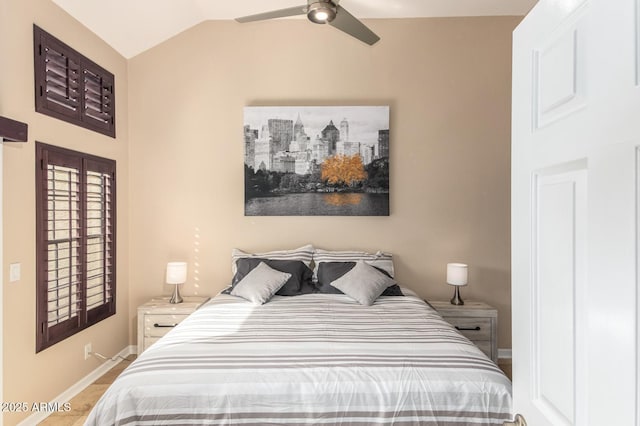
column 575, row 212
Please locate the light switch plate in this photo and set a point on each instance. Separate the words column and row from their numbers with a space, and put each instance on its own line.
column 14, row 272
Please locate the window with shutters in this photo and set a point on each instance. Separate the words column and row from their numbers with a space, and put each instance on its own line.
column 76, row 206
column 70, row 87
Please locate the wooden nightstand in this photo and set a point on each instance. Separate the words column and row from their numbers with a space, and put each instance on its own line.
column 158, row 316
column 475, row 320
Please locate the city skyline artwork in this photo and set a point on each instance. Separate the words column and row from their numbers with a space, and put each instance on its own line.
column 316, row 161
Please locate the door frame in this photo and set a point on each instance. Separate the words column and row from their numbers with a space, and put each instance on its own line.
column 637, row 190
column 1, row 284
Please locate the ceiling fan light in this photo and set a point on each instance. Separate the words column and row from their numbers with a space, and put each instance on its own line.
column 321, row 15
column 321, row 12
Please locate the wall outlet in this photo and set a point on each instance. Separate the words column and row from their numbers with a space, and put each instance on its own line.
column 87, row 351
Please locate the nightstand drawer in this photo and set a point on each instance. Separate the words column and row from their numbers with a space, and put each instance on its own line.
column 475, row 320
column 484, row 346
column 159, row 316
column 159, row 325
column 476, row 329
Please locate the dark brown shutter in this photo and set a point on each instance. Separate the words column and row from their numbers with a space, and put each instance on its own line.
column 71, row 87
column 99, row 105
column 59, row 273
column 75, row 213
column 100, row 238
column 57, row 78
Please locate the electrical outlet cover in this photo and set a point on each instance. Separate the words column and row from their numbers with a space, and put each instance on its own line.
column 14, row 272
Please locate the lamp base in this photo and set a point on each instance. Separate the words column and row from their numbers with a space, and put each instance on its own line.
column 457, row 300
column 176, row 298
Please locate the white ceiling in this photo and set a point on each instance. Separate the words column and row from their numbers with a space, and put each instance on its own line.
column 133, row 26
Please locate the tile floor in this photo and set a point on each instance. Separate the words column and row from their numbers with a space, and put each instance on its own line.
column 82, row 403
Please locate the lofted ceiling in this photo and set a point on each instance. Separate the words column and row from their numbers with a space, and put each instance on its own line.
column 133, row 26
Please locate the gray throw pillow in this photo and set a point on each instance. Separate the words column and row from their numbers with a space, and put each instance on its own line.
column 300, row 281
column 328, row 272
column 259, row 285
column 363, row 283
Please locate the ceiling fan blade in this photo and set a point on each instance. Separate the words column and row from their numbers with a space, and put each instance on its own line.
column 281, row 13
column 344, row 21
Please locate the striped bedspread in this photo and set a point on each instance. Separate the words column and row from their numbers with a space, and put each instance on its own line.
column 316, row 359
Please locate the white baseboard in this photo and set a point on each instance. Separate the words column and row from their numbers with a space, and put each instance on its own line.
column 78, row 387
column 504, row 353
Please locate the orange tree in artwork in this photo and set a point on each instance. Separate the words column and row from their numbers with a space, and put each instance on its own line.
column 343, row 170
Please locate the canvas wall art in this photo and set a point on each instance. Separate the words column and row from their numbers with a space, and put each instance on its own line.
column 316, row 161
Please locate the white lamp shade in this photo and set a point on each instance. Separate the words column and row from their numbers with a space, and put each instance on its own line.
column 176, row 273
column 456, row 274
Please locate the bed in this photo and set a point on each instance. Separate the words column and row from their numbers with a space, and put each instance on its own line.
column 316, row 358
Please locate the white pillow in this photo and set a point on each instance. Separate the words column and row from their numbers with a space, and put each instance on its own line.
column 363, row 282
column 304, row 254
column 259, row 285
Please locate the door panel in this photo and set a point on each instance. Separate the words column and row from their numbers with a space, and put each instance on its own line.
column 558, row 261
column 559, row 70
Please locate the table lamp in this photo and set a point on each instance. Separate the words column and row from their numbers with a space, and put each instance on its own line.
column 176, row 275
column 457, row 276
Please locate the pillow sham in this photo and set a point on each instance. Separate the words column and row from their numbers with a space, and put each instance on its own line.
column 363, row 283
column 300, row 281
column 303, row 254
column 331, row 271
column 379, row 259
column 259, row 285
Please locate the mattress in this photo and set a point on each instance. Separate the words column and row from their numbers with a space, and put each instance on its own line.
column 309, row 359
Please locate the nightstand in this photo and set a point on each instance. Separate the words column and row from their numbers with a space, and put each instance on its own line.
column 475, row 320
column 158, row 316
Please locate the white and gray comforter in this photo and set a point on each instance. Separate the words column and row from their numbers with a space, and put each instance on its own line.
column 315, row 359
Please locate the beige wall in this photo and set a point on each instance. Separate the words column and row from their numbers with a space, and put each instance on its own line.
column 28, row 376
column 447, row 82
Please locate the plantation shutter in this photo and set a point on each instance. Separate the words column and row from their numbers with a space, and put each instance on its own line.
column 63, row 274
column 98, row 99
column 75, row 244
column 71, row 87
column 60, row 91
column 99, row 238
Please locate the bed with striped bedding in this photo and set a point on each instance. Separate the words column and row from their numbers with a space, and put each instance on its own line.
column 310, row 359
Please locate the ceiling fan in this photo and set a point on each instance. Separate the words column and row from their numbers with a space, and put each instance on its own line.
column 322, row 12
